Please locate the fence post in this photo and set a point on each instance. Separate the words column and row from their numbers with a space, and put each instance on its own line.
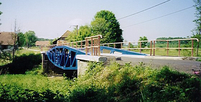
column 179, row 47
column 150, row 48
column 114, row 45
column 98, row 45
column 192, row 48
column 121, row 45
column 167, row 47
column 86, row 45
column 41, row 48
column 154, row 48
column 91, row 46
column 140, row 46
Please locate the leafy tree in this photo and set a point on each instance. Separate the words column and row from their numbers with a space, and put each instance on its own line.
column 106, row 24
column 84, row 31
column 43, row 39
column 30, row 38
column 143, row 44
column 197, row 30
column 0, row 11
column 21, row 39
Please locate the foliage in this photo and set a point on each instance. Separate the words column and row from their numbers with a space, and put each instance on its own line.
column 197, row 30
column 198, row 59
column 5, row 57
column 23, row 63
column 43, row 39
column 110, row 83
column 31, row 88
column 143, row 43
column 88, row 93
column 106, row 24
column 0, row 11
column 84, row 31
column 140, row 83
column 183, row 43
column 21, row 39
column 30, row 38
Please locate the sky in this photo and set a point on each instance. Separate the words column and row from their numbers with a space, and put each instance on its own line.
column 52, row 18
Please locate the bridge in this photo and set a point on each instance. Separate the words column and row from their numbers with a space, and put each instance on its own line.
column 65, row 54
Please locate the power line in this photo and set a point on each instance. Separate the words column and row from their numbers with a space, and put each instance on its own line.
column 161, row 16
column 144, row 9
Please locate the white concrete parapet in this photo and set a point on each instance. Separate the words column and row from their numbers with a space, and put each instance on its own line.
column 83, row 60
column 91, row 58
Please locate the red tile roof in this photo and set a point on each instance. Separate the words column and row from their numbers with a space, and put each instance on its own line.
column 7, row 38
column 42, row 43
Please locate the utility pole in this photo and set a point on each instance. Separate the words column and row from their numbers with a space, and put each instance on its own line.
column 14, row 43
column 77, row 29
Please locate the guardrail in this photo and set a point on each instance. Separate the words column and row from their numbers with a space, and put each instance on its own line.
column 92, row 44
column 151, row 45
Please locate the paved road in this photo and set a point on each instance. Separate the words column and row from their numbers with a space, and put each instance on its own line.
column 157, row 62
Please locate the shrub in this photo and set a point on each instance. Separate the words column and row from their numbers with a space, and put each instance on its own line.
column 23, row 63
column 110, row 83
column 89, row 93
column 170, row 76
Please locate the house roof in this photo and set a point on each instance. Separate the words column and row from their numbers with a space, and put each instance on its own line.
column 42, row 43
column 66, row 34
column 7, row 38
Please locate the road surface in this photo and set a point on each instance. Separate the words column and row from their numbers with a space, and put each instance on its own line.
column 176, row 63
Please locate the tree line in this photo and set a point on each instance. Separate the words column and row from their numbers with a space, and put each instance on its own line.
column 27, row 39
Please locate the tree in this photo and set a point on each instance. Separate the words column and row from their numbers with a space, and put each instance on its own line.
column 143, row 44
column 30, row 38
column 21, row 39
column 0, row 11
column 84, row 31
column 106, row 24
column 197, row 30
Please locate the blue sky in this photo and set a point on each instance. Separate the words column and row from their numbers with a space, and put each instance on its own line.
column 51, row 18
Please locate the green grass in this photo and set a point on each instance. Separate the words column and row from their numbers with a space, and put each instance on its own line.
column 163, row 52
column 21, row 51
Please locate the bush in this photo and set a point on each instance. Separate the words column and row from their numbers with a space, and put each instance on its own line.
column 18, row 94
column 110, row 83
column 23, row 63
column 170, row 76
column 88, row 94
column 5, row 57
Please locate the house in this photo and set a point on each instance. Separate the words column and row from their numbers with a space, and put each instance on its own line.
column 63, row 37
column 7, row 40
column 42, row 43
